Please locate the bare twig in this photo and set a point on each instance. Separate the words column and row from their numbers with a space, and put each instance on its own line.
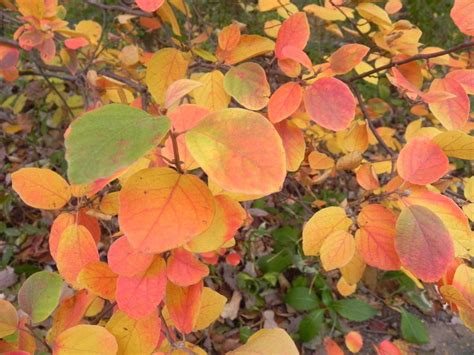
column 120, row 8
column 177, row 160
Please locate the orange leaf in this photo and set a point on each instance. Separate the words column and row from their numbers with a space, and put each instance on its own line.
column 184, row 269
column 453, row 113
column 41, row 188
column 337, row 250
column 247, row 84
column 135, row 336
column 76, row 43
column 228, row 219
column 367, row 178
column 99, row 279
column 76, row 249
column 293, row 142
column 464, row 281
column 331, row 347
column 347, row 57
column 249, row 46
column 126, row 261
column 354, row 341
column 179, row 89
column 8, row 319
column 422, row 162
column 139, row 295
column 85, row 339
column 319, row 161
column 386, row 347
column 298, row 55
column 240, row 151
column 229, row 37
column 284, row 101
column 375, row 240
column 293, row 32
column 183, row 305
column 183, row 119
column 160, row 222
column 423, row 243
column 149, row 5
column 330, row 103
column 461, row 13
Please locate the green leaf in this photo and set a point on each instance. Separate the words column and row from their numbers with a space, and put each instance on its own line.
column 103, row 141
column 311, row 325
column 277, row 262
column 301, row 298
column 413, row 329
column 354, row 310
column 39, row 295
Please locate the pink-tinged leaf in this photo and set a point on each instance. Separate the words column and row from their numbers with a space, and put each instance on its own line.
column 465, row 77
column 8, row 57
column 98, row 279
column 183, row 119
column 453, row 113
column 331, row 347
column 149, row 5
column 400, row 81
column 247, row 84
column 386, row 347
column 179, row 89
column 76, row 249
column 173, row 209
column 184, row 269
column 47, row 50
column 289, row 67
column 367, row 177
column 347, row 57
column 422, row 162
column 183, row 305
column 126, row 261
column 298, row 55
column 330, row 103
column 423, row 243
column 139, row 295
column 293, row 32
column 461, row 13
column 293, row 142
column 284, row 101
column 76, row 43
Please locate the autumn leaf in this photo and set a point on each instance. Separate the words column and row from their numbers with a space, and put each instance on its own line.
column 184, row 269
column 240, row 151
column 321, row 225
column 139, row 295
column 330, row 103
column 347, row 57
column 115, row 135
column 247, row 84
column 183, row 305
column 124, row 260
column 85, row 338
column 39, row 295
column 293, row 32
column 293, row 142
column 211, row 94
column 41, row 188
column 461, row 15
column 423, row 243
column 149, row 5
column 8, row 318
column 268, row 341
column 337, row 250
column 354, row 341
column 98, row 279
column 422, row 162
column 212, row 305
column 284, row 101
column 160, row 223
column 135, row 336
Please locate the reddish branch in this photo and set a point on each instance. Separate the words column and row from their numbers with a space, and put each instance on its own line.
column 120, row 8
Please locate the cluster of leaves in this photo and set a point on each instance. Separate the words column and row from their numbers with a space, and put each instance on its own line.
column 170, row 142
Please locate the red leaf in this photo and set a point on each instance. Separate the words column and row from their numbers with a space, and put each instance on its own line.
column 184, row 269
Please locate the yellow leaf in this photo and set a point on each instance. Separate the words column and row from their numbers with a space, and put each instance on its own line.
column 456, row 144
column 469, row 188
column 165, row 67
column 212, row 304
column 321, row 225
column 85, row 339
column 8, row 318
column 337, row 250
column 211, row 94
column 249, row 46
column 268, row 341
column 344, row 288
column 375, row 14
column 41, row 188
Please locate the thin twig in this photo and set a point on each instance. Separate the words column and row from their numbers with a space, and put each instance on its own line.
column 177, row 160
column 120, row 8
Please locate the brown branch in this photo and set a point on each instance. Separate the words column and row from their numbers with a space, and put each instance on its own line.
column 412, row 59
column 120, row 8
column 177, row 160
column 372, row 128
column 10, row 42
